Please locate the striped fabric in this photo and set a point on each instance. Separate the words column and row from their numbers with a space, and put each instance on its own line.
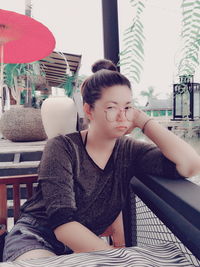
column 165, row 255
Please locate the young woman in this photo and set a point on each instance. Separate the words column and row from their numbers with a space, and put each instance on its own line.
column 84, row 176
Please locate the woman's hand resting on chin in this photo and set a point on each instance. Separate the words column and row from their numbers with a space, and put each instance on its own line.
column 139, row 120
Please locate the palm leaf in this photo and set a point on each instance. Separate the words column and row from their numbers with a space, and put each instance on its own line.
column 132, row 55
column 68, row 85
column 190, row 37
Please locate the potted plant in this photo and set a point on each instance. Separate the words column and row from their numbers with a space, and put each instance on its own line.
column 21, row 122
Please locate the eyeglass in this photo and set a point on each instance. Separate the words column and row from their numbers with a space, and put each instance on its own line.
column 112, row 113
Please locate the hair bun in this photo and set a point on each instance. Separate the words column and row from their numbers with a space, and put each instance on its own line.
column 103, row 64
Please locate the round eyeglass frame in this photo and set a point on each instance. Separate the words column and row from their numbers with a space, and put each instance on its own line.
column 118, row 113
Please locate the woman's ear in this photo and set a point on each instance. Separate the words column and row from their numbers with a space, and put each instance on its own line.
column 88, row 111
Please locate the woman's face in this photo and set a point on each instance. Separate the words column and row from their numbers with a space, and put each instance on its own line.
column 111, row 113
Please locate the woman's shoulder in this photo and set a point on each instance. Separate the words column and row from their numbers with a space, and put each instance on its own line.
column 70, row 137
column 67, row 141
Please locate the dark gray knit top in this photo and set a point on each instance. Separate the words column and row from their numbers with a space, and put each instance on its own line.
column 73, row 188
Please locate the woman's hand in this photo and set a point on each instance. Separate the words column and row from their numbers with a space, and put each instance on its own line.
column 139, row 120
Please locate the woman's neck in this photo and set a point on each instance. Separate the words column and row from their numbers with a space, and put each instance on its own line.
column 98, row 147
column 97, row 140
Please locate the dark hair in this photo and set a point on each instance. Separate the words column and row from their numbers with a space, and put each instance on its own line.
column 103, row 64
column 103, row 78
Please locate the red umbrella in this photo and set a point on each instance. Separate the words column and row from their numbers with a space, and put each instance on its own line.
column 22, row 40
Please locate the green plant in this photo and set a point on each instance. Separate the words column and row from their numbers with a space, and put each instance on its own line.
column 20, row 75
column 189, row 55
column 149, row 93
column 68, row 85
column 132, row 56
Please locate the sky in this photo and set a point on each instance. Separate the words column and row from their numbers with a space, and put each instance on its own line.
column 77, row 27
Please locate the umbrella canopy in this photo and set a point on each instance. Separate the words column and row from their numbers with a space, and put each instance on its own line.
column 24, row 39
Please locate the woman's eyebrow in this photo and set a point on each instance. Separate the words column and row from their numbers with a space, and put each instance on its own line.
column 113, row 102
column 116, row 103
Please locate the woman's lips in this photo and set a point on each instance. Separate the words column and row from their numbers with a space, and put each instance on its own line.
column 121, row 127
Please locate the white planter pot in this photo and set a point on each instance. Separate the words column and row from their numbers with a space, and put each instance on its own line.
column 59, row 115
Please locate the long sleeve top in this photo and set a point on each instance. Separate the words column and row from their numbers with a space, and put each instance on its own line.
column 71, row 187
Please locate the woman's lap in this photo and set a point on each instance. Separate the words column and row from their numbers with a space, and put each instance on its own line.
column 28, row 235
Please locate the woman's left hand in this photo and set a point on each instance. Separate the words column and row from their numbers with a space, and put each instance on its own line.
column 139, row 120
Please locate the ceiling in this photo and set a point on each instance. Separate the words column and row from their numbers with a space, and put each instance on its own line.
column 56, row 67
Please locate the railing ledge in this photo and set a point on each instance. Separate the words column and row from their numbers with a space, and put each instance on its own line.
column 176, row 203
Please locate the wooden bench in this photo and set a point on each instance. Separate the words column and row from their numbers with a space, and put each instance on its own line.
column 15, row 182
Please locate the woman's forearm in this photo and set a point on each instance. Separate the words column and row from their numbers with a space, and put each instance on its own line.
column 79, row 238
column 174, row 148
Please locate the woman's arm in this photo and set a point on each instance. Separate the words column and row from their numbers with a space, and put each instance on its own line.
column 116, row 232
column 117, row 228
column 174, row 148
column 79, row 238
